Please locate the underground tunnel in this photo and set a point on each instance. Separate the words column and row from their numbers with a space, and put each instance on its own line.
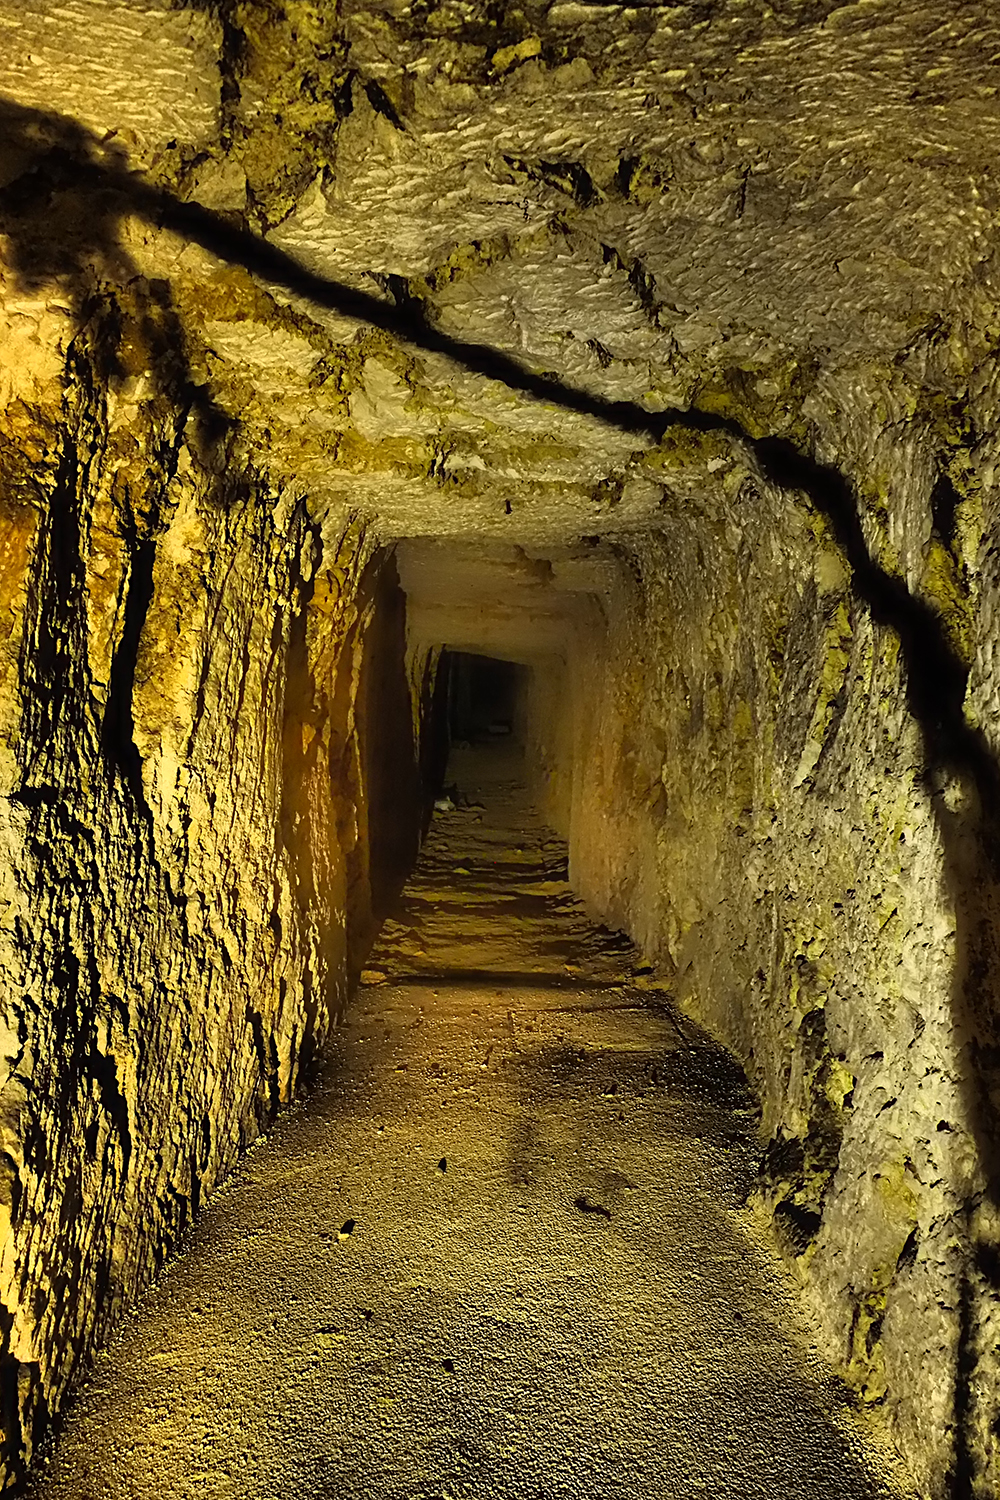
column 499, row 611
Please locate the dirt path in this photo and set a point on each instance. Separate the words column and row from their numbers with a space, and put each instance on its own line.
column 501, row 1253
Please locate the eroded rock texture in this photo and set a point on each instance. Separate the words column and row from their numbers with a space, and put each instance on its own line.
column 187, row 650
column 662, row 341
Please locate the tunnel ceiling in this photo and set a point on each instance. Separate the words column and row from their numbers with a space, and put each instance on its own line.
column 783, row 213
column 503, row 601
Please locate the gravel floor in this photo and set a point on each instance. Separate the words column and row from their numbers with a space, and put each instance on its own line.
column 502, row 1250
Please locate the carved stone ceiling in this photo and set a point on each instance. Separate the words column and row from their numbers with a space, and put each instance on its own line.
column 751, row 208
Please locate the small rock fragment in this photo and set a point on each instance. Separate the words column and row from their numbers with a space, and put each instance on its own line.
column 585, row 1206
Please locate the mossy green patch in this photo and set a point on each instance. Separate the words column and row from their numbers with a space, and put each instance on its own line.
column 682, row 448
column 767, row 400
column 865, row 1369
column 943, row 584
column 839, row 1083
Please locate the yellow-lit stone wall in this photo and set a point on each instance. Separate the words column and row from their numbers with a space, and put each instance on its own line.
column 756, row 802
column 283, row 283
column 184, row 821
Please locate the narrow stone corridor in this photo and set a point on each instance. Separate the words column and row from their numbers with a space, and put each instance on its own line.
column 502, row 1250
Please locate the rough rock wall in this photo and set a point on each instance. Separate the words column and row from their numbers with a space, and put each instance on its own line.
column 551, row 736
column 784, row 214
column 782, row 789
column 186, row 655
column 391, row 720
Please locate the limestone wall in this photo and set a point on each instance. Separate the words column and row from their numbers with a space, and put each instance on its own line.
column 775, row 794
column 267, row 269
column 189, row 792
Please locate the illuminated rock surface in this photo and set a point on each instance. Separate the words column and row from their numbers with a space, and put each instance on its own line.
column 502, row 1253
column 651, row 349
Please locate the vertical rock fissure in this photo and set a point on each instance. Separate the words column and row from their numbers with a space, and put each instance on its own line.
column 118, row 725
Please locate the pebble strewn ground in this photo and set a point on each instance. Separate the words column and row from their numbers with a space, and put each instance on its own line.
column 502, row 1251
